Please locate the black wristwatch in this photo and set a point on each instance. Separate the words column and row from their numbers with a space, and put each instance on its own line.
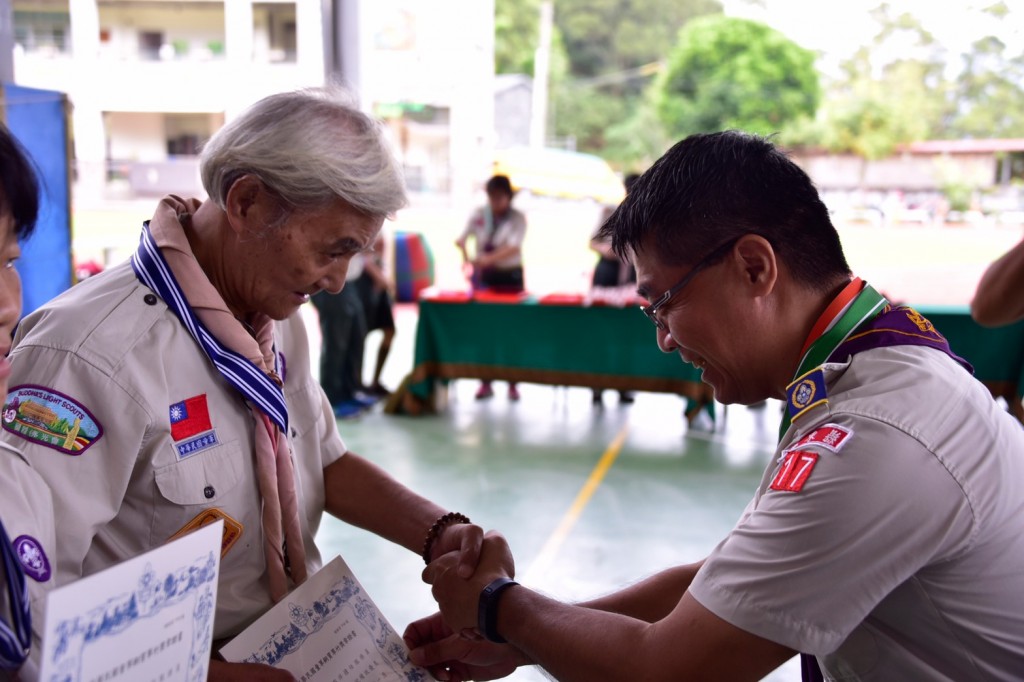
column 487, row 610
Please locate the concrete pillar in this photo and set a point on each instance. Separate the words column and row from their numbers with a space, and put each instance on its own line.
column 343, row 48
column 87, row 115
column 309, row 38
column 6, row 42
column 238, row 44
column 472, row 107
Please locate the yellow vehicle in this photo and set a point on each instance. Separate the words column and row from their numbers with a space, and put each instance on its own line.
column 560, row 173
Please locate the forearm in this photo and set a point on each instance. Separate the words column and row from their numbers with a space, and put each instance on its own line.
column 574, row 643
column 651, row 599
column 364, row 495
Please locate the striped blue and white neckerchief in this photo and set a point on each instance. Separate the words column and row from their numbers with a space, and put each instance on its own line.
column 16, row 637
column 152, row 270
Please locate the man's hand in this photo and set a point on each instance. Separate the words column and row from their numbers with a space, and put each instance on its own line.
column 459, row 597
column 466, row 539
column 454, row 658
column 221, row 671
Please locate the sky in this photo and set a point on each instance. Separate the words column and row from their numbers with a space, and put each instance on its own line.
column 837, row 27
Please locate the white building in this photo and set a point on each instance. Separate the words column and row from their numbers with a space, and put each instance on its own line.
column 150, row 80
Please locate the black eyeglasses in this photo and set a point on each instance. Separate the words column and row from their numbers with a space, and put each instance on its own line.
column 651, row 311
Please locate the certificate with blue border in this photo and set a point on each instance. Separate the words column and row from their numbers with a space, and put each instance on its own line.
column 148, row 618
column 327, row 630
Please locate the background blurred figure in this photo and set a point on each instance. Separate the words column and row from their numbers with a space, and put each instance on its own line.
column 999, row 298
column 343, row 336
column 498, row 231
column 612, row 271
column 375, row 293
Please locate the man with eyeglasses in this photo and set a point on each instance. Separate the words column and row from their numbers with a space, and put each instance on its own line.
column 886, row 540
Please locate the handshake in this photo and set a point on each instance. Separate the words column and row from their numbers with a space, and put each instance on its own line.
column 469, row 572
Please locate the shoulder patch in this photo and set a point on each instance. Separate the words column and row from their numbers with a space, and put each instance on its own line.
column 794, row 471
column 806, row 392
column 51, row 418
column 32, row 558
column 830, row 436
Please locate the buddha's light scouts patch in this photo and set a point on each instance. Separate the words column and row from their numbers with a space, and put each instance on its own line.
column 51, row 418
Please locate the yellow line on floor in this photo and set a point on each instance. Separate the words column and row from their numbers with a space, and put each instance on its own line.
column 547, row 554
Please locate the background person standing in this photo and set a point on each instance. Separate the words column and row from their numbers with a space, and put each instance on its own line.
column 498, row 231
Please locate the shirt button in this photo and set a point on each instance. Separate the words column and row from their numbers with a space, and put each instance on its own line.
column 150, row 299
column 209, row 492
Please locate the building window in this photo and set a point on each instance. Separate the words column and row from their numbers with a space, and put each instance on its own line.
column 150, row 43
column 43, row 32
column 274, row 32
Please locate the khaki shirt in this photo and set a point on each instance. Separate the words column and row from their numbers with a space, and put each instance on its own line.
column 113, row 354
column 26, row 509
column 900, row 556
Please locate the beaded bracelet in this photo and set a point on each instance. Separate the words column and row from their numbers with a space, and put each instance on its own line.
column 436, row 529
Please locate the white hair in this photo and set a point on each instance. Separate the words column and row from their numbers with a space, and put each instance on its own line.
column 310, row 147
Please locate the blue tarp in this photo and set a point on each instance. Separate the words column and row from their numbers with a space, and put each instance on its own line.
column 38, row 119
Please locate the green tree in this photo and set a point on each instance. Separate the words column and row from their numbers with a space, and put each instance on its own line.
column 608, row 36
column 735, row 73
column 614, row 49
column 988, row 95
column 516, row 29
column 889, row 92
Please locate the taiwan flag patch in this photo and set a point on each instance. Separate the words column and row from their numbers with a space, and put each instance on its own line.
column 190, row 417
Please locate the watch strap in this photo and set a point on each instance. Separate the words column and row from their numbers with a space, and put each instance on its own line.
column 487, row 610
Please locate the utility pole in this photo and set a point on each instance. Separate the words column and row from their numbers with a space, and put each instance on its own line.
column 541, row 66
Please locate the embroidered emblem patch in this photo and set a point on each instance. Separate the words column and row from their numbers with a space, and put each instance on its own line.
column 32, row 558
column 191, row 428
column 830, row 436
column 42, row 415
column 806, row 392
column 795, row 470
column 232, row 529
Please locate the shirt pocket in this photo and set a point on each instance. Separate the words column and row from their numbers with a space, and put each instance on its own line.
column 305, row 410
column 187, row 487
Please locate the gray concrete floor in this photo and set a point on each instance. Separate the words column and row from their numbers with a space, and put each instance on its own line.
column 668, row 497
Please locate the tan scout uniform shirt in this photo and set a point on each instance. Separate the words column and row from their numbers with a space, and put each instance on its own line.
column 901, row 557
column 114, row 349
column 26, row 509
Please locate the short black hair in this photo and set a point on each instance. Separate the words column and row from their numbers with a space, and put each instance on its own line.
column 19, row 184
column 499, row 183
column 711, row 188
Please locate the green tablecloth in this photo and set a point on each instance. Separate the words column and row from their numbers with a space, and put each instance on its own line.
column 608, row 347
column 997, row 354
column 561, row 345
